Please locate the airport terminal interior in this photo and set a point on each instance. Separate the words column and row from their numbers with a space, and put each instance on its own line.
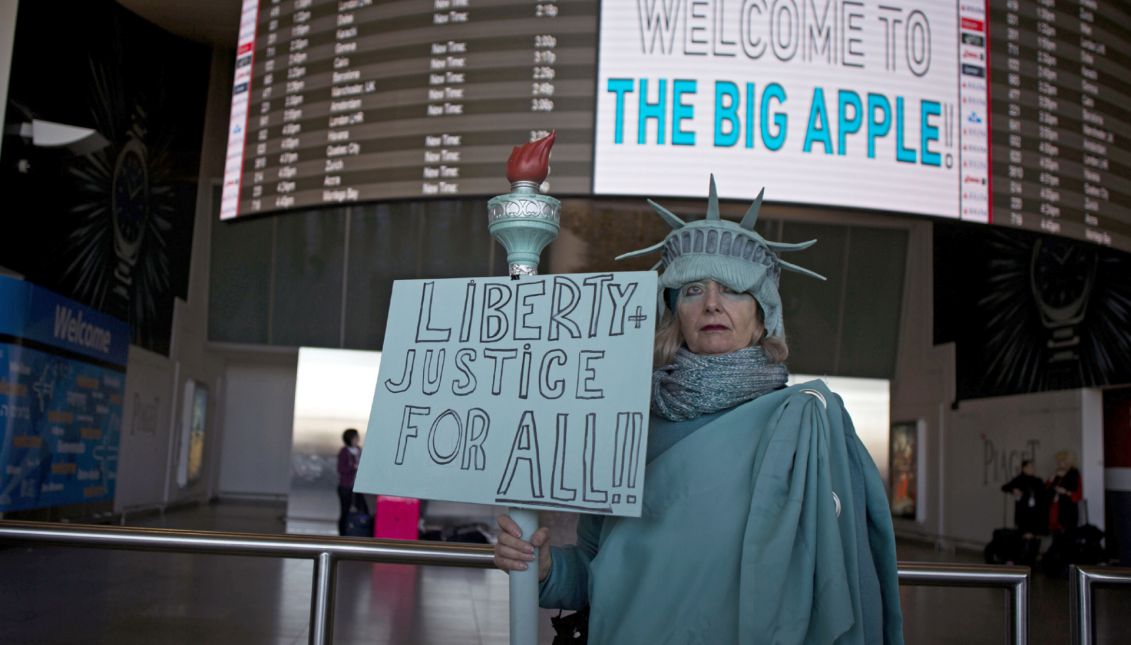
column 234, row 229
column 70, row 595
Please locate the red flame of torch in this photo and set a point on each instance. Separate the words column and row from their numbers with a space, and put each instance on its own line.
column 531, row 161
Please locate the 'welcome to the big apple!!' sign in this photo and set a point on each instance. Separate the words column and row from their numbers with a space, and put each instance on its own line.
column 531, row 393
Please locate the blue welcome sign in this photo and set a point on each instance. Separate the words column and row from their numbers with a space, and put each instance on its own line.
column 531, row 393
column 62, row 379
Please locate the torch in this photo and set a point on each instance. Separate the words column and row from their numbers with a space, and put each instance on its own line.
column 524, row 221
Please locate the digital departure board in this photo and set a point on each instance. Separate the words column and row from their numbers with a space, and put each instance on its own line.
column 1009, row 112
column 339, row 101
column 1061, row 95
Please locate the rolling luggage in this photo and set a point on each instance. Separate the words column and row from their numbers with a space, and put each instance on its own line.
column 476, row 533
column 1009, row 546
column 1078, row 545
column 469, row 534
column 398, row 518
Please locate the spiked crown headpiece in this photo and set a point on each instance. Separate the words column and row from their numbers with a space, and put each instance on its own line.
column 730, row 253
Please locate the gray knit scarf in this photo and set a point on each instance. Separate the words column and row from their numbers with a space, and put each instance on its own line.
column 696, row 384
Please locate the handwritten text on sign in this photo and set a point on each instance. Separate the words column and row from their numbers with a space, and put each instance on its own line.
column 530, row 392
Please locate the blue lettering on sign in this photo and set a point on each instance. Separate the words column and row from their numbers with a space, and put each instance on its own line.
column 877, row 103
column 682, row 112
column 647, row 110
column 665, row 107
column 818, row 130
column 848, row 123
column 727, row 125
column 775, row 140
column 902, row 153
column 929, row 132
column 656, row 111
column 620, row 87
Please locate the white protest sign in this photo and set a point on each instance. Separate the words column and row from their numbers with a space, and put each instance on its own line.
column 530, row 393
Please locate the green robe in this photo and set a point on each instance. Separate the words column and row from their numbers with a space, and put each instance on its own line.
column 739, row 540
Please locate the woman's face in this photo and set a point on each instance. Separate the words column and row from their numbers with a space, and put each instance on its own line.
column 716, row 320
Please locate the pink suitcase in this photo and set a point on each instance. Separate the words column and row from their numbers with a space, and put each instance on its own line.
column 397, row 518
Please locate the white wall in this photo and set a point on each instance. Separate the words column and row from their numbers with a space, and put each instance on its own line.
column 7, row 40
column 987, row 441
column 143, row 457
column 189, row 349
column 1091, row 455
column 868, row 402
column 923, row 387
column 258, row 417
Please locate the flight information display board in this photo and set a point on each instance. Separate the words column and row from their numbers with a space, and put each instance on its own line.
column 341, row 101
column 1005, row 112
column 1061, row 93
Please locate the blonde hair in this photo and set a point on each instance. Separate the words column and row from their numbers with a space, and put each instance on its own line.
column 1068, row 457
column 669, row 339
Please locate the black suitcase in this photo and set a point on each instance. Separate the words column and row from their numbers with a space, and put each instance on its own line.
column 469, row 534
column 1009, row 546
column 477, row 533
column 1087, row 544
column 1082, row 544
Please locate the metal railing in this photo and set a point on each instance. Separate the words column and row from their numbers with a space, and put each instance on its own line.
column 1016, row 579
column 1081, row 580
column 326, row 552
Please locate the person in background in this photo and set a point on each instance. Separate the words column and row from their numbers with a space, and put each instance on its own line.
column 1066, row 489
column 348, row 459
column 764, row 519
column 1028, row 500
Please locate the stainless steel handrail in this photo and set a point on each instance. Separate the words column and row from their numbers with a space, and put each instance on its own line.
column 326, row 552
column 1081, row 579
column 1016, row 579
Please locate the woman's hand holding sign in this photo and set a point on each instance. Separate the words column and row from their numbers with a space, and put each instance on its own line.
column 512, row 553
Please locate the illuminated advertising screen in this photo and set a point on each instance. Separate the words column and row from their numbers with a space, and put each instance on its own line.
column 838, row 103
column 1005, row 112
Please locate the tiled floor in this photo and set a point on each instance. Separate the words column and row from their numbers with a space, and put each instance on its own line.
column 52, row 595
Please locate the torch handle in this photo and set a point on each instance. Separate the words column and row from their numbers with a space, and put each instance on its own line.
column 524, row 586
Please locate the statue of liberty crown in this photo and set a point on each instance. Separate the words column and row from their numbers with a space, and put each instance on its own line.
column 730, row 253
